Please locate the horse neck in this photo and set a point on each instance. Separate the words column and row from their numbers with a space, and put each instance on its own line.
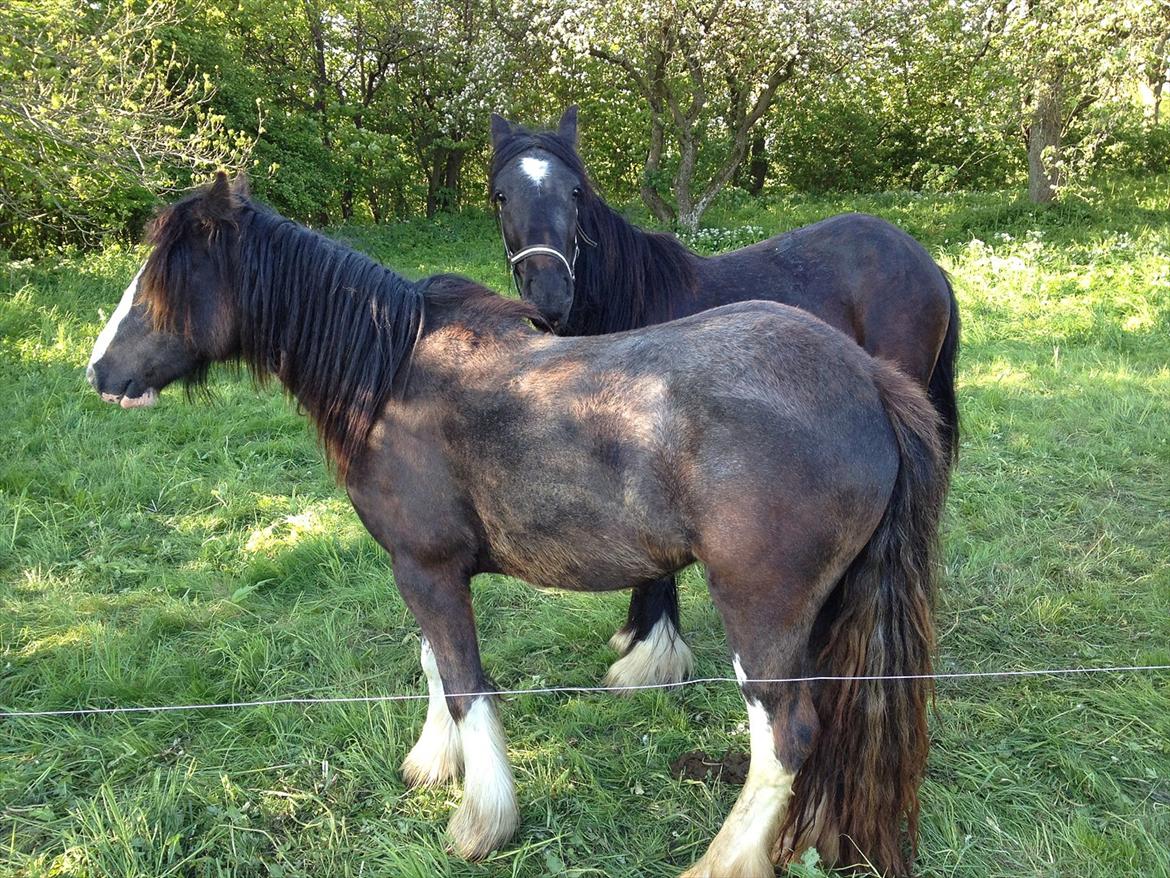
column 331, row 324
column 631, row 278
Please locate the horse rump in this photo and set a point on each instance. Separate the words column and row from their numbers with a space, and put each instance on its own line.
column 856, row 796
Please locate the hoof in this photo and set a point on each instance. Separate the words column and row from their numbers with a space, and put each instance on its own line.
column 737, row 865
column 476, row 831
column 487, row 817
column 437, row 756
column 662, row 657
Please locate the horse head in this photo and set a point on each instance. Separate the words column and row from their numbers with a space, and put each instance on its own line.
column 177, row 315
column 539, row 189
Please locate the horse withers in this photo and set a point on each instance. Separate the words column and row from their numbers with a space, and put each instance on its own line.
column 804, row 474
column 589, row 271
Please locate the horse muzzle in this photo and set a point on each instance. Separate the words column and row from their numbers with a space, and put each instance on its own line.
column 131, row 396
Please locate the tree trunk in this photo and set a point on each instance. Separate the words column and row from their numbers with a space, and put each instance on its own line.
column 1044, row 176
column 1159, row 70
column 433, row 187
column 684, row 180
column 321, row 85
column 452, row 177
column 757, row 166
column 654, row 202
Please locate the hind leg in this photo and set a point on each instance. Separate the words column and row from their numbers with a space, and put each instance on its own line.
column 769, row 640
column 653, row 651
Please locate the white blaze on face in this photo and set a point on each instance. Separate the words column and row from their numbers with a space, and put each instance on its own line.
column 535, row 169
column 111, row 328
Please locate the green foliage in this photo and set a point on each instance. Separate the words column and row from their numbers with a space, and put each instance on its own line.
column 198, row 552
column 364, row 111
column 97, row 116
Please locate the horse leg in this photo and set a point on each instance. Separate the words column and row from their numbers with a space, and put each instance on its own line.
column 768, row 637
column 437, row 756
column 653, row 651
column 470, row 731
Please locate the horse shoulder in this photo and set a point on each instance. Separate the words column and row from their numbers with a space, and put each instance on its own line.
column 406, row 489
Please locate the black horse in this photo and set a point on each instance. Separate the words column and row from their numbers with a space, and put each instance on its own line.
column 590, row 272
column 804, row 474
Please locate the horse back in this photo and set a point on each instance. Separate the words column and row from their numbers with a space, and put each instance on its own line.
column 858, row 273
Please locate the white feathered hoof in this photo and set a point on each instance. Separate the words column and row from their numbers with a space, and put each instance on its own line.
column 488, row 816
column 478, row 828
column 662, row 657
column 437, row 758
column 731, row 864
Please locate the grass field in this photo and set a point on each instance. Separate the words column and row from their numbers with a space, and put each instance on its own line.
column 199, row 552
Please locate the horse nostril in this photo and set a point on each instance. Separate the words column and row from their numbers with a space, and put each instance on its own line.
column 91, row 376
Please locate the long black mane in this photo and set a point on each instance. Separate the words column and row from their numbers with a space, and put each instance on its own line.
column 628, row 277
column 334, row 326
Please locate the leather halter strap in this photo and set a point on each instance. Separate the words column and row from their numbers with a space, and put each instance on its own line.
column 515, row 259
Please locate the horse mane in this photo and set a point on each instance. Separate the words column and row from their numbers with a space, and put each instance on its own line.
column 631, row 277
column 447, row 292
column 334, row 326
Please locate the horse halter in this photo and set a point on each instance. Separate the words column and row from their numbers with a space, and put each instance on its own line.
column 514, row 259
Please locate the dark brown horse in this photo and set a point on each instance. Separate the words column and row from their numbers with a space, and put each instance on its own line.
column 804, row 474
column 589, row 271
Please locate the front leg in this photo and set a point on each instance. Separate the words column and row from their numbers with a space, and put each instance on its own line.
column 440, row 600
column 437, row 756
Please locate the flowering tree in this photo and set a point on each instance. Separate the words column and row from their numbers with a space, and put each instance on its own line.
column 708, row 72
column 450, row 90
column 1065, row 58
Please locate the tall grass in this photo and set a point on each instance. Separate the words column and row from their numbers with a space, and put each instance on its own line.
column 199, row 552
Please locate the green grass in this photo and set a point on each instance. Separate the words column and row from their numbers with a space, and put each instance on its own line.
column 199, row 552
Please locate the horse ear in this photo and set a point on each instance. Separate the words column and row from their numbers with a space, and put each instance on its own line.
column 220, row 199
column 219, row 195
column 501, row 130
column 567, row 128
column 241, row 187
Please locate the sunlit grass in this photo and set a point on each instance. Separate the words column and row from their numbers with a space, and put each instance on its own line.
column 201, row 552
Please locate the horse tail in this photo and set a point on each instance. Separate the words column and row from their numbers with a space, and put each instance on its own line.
column 856, row 796
column 942, row 380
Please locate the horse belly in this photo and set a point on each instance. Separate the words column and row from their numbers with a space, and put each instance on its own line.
column 581, row 546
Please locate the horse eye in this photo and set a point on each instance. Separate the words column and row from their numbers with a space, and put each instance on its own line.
column 500, row 199
column 576, row 192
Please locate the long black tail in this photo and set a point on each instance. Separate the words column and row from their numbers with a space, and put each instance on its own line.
column 856, row 796
column 942, row 382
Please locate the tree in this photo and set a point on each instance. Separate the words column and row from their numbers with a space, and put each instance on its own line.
column 708, row 72
column 450, row 90
column 1066, row 57
column 1156, row 60
column 98, row 115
